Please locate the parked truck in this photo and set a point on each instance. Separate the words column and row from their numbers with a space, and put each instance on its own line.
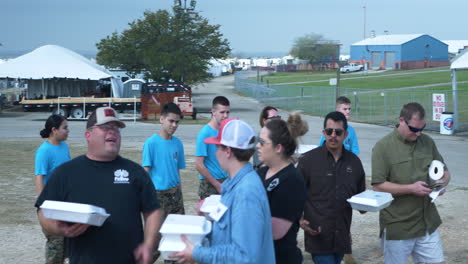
column 352, row 67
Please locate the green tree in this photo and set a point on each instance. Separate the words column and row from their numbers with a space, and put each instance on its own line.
column 165, row 46
column 315, row 49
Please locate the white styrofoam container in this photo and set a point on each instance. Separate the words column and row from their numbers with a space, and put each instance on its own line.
column 74, row 212
column 370, row 201
column 168, row 247
column 194, row 227
column 302, row 148
column 210, row 204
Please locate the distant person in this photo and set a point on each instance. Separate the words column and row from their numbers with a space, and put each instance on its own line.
column 2, row 101
column 267, row 114
column 343, row 105
column 163, row 157
column 285, row 188
column 242, row 230
column 400, row 166
column 52, row 153
column 332, row 175
column 103, row 178
column 210, row 173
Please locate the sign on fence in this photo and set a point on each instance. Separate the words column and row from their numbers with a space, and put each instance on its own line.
column 438, row 106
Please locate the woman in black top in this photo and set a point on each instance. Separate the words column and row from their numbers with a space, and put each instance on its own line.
column 285, row 187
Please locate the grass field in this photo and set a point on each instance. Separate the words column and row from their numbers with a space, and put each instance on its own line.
column 376, row 97
column 289, row 77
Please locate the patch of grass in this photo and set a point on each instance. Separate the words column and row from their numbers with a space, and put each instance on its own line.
column 387, row 81
column 383, row 80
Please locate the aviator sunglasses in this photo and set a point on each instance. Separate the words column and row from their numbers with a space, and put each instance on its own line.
column 415, row 129
column 338, row 131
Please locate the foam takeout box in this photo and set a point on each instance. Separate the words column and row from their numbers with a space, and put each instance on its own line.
column 74, row 212
column 195, row 228
column 302, row 148
column 370, row 201
column 210, row 204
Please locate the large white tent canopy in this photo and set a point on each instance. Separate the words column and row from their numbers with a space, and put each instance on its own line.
column 458, row 63
column 57, row 63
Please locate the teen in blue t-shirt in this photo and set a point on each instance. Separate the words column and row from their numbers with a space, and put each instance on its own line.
column 52, row 153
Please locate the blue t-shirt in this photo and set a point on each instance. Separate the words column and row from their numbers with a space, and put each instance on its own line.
column 209, row 152
column 350, row 143
column 49, row 156
column 166, row 158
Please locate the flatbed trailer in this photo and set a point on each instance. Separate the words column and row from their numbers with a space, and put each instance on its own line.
column 79, row 107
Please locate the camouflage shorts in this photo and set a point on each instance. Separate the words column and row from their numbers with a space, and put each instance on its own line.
column 205, row 188
column 172, row 202
column 55, row 249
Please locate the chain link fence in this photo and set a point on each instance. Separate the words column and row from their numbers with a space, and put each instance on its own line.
column 368, row 105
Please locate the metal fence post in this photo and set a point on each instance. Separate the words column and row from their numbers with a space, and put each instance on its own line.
column 356, row 105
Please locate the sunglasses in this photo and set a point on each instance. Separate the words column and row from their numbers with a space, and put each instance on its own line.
column 273, row 117
column 415, row 129
column 338, row 131
column 263, row 142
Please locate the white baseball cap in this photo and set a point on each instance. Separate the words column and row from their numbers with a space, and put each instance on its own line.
column 104, row 115
column 234, row 133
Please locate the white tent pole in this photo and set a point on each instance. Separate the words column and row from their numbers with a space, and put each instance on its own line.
column 455, row 99
column 43, row 89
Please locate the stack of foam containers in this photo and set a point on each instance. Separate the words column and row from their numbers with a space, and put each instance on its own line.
column 195, row 228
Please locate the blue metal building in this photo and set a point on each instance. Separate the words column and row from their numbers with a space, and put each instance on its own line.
column 411, row 51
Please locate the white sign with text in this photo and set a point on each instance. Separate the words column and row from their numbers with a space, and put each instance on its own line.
column 438, row 106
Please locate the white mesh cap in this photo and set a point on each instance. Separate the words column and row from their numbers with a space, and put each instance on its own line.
column 234, row 133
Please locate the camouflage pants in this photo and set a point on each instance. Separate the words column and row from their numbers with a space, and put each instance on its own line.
column 205, row 188
column 172, row 202
column 55, row 250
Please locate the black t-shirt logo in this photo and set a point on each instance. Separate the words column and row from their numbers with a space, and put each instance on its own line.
column 121, row 176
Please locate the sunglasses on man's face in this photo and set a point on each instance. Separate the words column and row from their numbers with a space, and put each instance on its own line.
column 415, row 129
column 274, row 117
column 338, row 131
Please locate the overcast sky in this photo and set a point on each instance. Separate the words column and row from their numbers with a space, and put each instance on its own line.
column 249, row 25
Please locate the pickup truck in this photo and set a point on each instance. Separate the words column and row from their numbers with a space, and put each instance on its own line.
column 352, row 67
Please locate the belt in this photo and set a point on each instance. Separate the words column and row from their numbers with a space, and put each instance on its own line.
column 171, row 190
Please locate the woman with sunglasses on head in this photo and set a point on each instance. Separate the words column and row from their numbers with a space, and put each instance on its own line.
column 285, row 187
column 52, row 153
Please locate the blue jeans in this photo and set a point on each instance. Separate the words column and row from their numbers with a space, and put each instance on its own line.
column 327, row 258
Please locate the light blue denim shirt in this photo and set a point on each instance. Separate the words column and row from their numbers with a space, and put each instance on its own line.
column 243, row 234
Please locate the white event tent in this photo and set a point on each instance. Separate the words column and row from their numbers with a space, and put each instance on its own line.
column 56, row 71
column 458, row 63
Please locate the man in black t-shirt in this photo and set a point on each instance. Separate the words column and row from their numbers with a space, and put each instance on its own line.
column 104, row 179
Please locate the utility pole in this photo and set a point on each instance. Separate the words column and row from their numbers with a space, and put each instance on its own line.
column 364, row 32
column 182, row 10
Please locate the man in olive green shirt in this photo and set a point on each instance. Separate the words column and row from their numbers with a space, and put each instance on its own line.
column 400, row 163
